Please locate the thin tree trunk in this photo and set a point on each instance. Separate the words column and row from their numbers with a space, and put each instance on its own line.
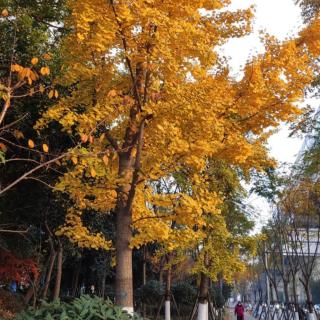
column 32, row 292
column 28, row 296
column 167, row 304
column 57, row 286
column 49, row 273
column 144, row 278
column 103, row 282
column 161, row 276
column 286, row 292
column 203, row 297
column 75, row 282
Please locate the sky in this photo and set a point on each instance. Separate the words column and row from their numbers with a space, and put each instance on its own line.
column 282, row 19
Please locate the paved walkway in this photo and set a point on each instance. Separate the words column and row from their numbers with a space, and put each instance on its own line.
column 230, row 315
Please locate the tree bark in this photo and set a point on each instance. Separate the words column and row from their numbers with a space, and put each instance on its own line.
column 32, row 291
column 129, row 169
column 203, row 297
column 144, row 278
column 124, row 285
column 57, row 286
column 49, row 273
column 75, row 281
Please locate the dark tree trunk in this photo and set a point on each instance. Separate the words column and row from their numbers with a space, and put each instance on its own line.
column 294, row 289
column 49, row 273
column 103, row 283
column 75, row 280
column 144, row 278
column 32, row 292
column 57, row 286
column 286, row 292
column 204, row 289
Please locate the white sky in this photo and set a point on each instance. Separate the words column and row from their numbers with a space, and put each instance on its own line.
column 282, row 19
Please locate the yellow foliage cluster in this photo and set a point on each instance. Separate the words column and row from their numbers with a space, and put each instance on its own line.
column 80, row 235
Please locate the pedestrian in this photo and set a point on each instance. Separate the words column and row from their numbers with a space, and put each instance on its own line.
column 239, row 311
column 13, row 287
column 92, row 290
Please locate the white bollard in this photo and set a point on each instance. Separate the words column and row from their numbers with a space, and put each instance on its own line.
column 203, row 311
column 129, row 310
column 167, row 310
column 312, row 316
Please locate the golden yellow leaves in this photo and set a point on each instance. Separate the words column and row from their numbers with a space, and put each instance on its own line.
column 3, row 147
column 84, row 138
column 25, row 73
column 31, row 144
column 30, row 74
column 93, row 172
column 4, row 13
column 105, row 160
column 45, row 148
column 74, row 160
column 18, row 134
column 53, row 93
column 47, row 56
column 41, row 88
column 80, row 235
column 45, row 71
column 34, row 61
column 112, row 93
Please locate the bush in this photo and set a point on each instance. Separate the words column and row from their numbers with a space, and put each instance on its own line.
column 150, row 293
column 10, row 304
column 83, row 308
column 184, row 293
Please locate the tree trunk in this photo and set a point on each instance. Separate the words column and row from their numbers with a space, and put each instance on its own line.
column 144, row 279
column 49, row 273
column 168, row 295
column 309, row 297
column 161, row 276
column 103, row 283
column 75, row 282
column 57, row 286
column 124, row 277
column 31, row 293
column 203, row 297
column 286, row 299
column 124, row 285
column 295, row 299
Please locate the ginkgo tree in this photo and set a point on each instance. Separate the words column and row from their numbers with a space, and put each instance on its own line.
column 152, row 97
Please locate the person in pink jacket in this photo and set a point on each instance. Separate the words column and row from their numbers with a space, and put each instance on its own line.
column 239, row 311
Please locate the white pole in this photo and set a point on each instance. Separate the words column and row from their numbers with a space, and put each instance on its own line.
column 203, row 311
column 167, row 310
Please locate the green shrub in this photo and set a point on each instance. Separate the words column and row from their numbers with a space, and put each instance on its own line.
column 150, row 293
column 184, row 293
column 83, row 308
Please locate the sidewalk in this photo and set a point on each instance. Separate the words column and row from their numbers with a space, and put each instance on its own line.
column 230, row 315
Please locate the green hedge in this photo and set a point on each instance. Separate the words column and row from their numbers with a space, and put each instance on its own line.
column 83, row 308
